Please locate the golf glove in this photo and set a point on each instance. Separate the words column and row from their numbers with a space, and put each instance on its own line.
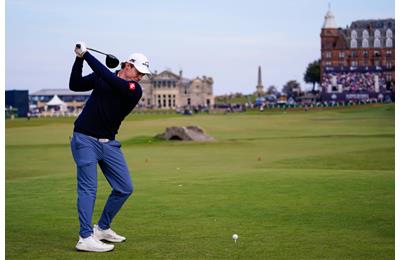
column 80, row 49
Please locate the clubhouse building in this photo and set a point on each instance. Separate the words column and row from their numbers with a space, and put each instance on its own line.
column 167, row 90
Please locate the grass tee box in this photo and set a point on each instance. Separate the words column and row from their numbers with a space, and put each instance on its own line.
column 291, row 185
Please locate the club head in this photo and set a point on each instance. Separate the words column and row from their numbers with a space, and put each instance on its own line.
column 112, row 61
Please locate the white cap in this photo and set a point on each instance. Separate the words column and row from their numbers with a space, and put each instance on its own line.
column 140, row 62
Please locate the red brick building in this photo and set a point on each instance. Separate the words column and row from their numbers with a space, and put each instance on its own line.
column 358, row 62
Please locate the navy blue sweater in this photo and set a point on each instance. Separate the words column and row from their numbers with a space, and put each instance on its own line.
column 112, row 98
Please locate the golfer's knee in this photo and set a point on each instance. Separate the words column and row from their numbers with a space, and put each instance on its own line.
column 124, row 191
column 129, row 187
column 128, row 190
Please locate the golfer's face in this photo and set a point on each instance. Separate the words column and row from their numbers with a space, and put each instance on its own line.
column 134, row 74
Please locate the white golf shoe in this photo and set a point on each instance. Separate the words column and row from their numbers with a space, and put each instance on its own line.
column 108, row 235
column 91, row 244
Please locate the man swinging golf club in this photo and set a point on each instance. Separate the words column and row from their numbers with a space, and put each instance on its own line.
column 113, row 97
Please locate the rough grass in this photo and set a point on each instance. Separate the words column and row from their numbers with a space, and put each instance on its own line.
column 291, row 184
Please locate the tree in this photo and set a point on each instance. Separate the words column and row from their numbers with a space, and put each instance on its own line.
column 313, row 73
column 238, row 95
column 292, row 88
column 272, row 90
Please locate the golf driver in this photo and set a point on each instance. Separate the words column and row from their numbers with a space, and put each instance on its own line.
column 111, row 60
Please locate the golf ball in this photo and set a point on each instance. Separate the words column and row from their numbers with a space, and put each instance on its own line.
column 235, row 236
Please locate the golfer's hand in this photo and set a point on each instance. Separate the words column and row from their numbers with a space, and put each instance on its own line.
column 80, row 49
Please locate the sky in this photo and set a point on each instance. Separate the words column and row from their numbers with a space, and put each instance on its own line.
column 225, row 40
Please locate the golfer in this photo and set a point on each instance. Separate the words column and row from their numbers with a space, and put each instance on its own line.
column 113, row 97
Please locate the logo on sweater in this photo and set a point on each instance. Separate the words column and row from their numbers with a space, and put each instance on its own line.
column 132, row 86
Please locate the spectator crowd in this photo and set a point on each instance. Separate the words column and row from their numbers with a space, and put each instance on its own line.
column 354, row 82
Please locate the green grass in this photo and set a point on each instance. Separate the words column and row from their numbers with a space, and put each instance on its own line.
column 291, row 184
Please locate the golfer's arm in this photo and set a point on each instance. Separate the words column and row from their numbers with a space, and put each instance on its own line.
column 76, row 81
column 111, row 78
column 136, row 95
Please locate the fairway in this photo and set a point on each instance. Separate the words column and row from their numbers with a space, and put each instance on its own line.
column 292, row 185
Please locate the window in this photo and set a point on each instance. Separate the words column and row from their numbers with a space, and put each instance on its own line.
column 377, row 43
column 353, row 43
column 353, row 34
column 328, row 55
column 377, row 34
column 365, row 53
column 389, row 43
column 389, row 33
column 365, row 43
column 188, row 101
column 365, row 34
column 354, row 63
column 341, row 54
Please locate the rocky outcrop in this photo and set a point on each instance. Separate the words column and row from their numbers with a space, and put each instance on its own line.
column 188, row 133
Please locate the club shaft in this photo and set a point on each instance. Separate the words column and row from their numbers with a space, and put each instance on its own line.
column 97, row 51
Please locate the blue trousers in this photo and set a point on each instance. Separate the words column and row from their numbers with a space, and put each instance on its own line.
column 88, row 152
